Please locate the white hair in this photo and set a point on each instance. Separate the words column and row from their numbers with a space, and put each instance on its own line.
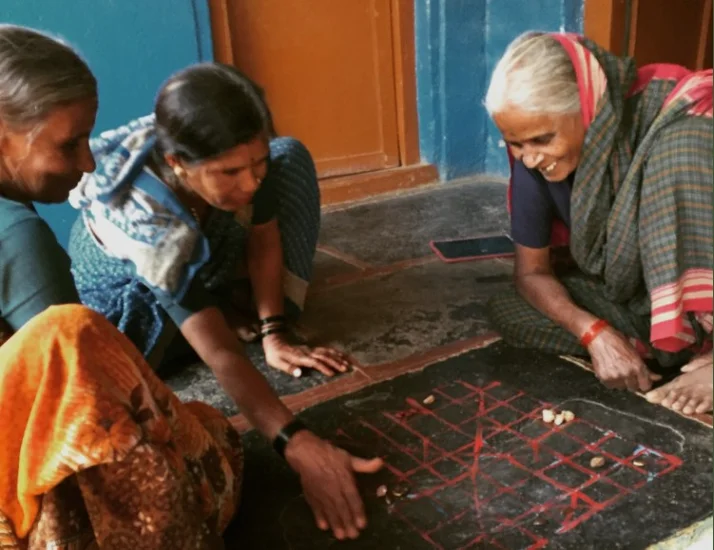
column 534, row 75
column 38, row 73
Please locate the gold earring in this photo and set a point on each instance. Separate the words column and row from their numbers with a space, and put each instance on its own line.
column 179, row 172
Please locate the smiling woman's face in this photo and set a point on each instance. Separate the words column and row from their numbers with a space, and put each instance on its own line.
column 45, row 163
column 546, row 142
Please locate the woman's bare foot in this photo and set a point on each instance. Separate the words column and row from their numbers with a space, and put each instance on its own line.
column 244, row 324
column 691, row 392
column 247, row 332
column 241, row 314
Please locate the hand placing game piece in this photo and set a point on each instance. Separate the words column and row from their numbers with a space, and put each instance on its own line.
column 327, row 474
column 617, row 364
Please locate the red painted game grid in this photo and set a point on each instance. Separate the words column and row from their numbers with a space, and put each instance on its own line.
column 509, row 465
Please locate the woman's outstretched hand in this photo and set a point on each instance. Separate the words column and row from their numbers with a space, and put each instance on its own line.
column 327, row 474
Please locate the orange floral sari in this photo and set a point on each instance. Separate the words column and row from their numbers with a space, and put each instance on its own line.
column 97, row 453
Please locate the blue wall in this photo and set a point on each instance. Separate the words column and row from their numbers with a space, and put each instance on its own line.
column 131, row 46
column 458, row 44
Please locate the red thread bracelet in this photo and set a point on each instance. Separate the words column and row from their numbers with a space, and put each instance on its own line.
column 595, row 329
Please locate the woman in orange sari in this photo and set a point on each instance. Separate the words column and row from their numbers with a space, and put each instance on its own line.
column 95, row 451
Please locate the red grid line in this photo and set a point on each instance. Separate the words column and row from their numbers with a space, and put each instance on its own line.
column 568, row 500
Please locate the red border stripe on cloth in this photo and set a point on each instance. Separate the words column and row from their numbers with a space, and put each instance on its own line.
column 697, row 90
column 671, row 330
column 659, row 71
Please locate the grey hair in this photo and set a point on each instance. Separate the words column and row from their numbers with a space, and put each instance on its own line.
column 534, row 75
column 37, row 74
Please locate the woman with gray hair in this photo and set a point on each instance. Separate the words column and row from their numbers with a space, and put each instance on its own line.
column 95, row 451
column 615, row 164
column 48, row 103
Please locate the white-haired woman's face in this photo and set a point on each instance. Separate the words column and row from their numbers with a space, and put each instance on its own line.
column 44, row 163
column 548, row 143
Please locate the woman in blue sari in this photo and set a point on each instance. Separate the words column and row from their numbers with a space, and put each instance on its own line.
column 193, row 213
column 95, row 452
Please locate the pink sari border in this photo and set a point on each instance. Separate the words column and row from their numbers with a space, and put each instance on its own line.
column 693, row 293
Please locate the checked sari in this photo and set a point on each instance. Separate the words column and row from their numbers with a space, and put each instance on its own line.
column 641, row 210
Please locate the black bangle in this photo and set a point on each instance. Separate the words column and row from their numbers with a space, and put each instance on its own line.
column 273, row 319
column 273, row 330
column 284, row 435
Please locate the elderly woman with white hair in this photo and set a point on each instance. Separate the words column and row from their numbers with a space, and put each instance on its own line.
column 95, row 451
column 616, row 164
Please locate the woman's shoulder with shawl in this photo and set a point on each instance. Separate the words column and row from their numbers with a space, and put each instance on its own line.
column 120, row 156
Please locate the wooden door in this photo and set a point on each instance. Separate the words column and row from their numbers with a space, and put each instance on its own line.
column 328, row 70
column 653, row 31
column 672, row 31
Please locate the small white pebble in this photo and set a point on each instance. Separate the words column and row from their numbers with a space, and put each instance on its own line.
column 568, row 416
column 297, row 373
column 381, row 491
column 559, row 419
column 548, row 416
column 429, row 400
column 400, row 490
column 597, row 462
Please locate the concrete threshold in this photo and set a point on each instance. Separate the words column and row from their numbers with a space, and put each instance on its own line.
column 699, row 536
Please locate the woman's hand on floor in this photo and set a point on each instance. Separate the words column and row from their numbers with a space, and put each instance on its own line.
column 283, row 356
column 618, row 365
column 327, row 474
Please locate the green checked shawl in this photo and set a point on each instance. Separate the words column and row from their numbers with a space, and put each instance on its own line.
column 641, row 205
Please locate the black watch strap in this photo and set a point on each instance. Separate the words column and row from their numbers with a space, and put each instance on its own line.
column 284, row 435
